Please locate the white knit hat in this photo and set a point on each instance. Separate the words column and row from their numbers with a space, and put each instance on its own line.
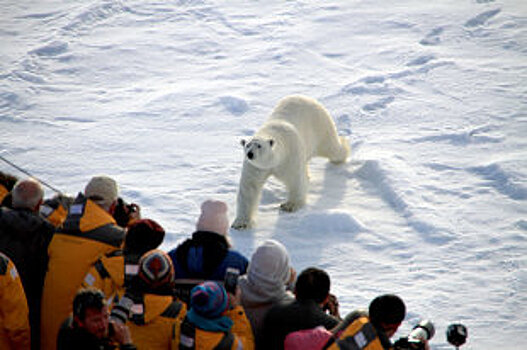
column 214, row 217
column 102, row 189
column 270, row 264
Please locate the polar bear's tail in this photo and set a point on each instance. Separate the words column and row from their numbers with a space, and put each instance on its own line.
column 341, row 151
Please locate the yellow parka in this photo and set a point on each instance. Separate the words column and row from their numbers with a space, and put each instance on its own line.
column 55, row 210
column 14, row 313
column 240, row 336
column 107, row 274
column 154, row 320
column 89, row 233
column 3, row 193
column 357, row 332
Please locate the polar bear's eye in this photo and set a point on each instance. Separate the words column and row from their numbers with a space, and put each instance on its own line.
column 259, row 146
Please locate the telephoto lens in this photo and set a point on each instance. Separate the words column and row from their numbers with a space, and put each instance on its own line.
column 456, row 334
column 121, row 311
column 422, row 332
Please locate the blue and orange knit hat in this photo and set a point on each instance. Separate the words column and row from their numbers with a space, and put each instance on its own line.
column 156, row 269
column 209, row 299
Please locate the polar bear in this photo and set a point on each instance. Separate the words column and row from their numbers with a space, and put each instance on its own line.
column 298, row 129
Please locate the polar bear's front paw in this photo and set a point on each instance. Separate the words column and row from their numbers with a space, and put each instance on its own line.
column 290, row 206
column 242, row 224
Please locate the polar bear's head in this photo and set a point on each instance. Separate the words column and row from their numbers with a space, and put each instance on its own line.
column 259, row 152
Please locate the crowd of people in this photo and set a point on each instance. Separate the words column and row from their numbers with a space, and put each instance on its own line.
column 87, row 273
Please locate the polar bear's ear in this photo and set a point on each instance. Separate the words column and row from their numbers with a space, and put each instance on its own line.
column 243, row 142
column 271, row 142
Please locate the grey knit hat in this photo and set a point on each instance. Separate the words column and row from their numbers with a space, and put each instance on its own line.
column 102, row 189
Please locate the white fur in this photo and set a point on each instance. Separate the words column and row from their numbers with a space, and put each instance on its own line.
column 298, row 129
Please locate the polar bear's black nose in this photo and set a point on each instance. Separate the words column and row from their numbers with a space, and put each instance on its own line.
column 250, row 155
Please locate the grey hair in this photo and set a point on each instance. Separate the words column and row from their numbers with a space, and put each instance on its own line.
column 27, row 194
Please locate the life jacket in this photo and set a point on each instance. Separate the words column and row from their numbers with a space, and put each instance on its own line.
column 239, row 337
column 55, row 210
column 89, row 233
column 14, row 313
column 154, row 320
column 356, row 332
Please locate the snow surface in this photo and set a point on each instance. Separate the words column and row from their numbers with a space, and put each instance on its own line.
column 158, row 94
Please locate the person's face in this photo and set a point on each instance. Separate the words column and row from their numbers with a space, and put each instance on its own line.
column 96, row 322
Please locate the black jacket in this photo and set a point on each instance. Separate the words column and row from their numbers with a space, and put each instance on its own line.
column 283, row 319
column 24, row 237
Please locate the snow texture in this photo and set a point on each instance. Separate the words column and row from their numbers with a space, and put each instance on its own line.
column 431, row 205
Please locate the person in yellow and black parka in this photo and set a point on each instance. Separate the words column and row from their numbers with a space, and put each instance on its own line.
column 155, row 309
column 114, row 271
column 88, row 233
column 14, row 314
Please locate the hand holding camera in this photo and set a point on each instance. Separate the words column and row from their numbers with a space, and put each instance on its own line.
column 332, row 306
column 418, row 337
column 231, row 285
column 124, row 213
column 119, row 315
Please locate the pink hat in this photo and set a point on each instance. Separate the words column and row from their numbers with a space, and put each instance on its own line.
column 307, row 339
column 213, row 217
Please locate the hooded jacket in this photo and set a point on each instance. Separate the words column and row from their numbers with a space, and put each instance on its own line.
column 89, row 232
column 108, row 275
column 154, row 320
column 14, row 320
column 206, row 256
column 265, row 284
column 55, row 210
column 192, row 337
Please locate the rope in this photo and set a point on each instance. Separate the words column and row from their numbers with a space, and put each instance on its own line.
column 29, row 174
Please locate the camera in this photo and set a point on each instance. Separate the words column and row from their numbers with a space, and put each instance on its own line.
column 422, row 332
column 122, row 310
column 123, row 211
column 456, row 334
column 231, row 280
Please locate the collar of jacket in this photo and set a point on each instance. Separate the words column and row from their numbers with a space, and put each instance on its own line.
column 88, row 214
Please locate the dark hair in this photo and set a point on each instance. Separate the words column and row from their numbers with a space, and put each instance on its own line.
column 8, row 180
column 388, row 309
column 142, row 236
column 312, row 284
column 87, row 298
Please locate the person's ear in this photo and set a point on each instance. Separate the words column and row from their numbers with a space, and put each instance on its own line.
column 78, row 321
column 37, row 207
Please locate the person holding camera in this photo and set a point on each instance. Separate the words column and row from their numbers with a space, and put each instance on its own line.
column 90, row 327
column 155, row 311
column 114, row 271
column 89, row 232
column 306, row 312
column 371, row 329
